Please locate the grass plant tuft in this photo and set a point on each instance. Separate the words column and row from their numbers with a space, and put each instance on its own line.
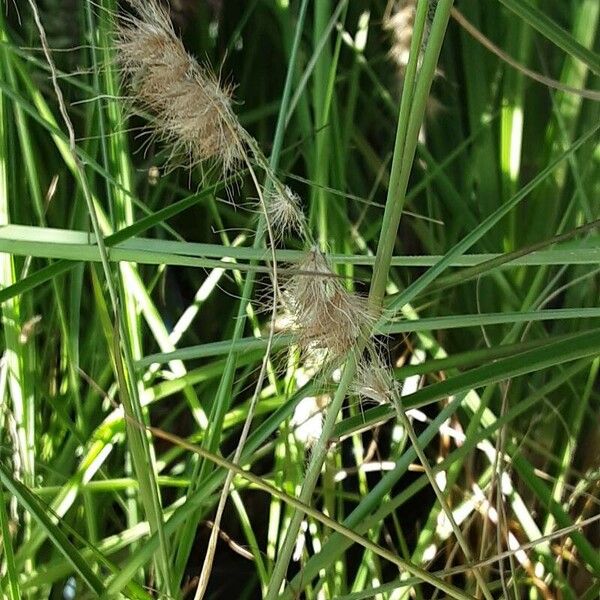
column 415, row 184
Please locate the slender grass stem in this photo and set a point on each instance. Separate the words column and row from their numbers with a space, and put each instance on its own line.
column 460, row 538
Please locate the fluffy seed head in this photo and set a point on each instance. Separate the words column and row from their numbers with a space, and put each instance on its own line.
column 400, row 22
column 284, row 211
column 374, row 380
column 189, row 108
column 325, row 315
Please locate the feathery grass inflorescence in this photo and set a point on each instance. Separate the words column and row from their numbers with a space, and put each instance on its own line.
column 284, row 209
column 374, row 380
column 399, row 21
column 190, row 109
column 324, row 315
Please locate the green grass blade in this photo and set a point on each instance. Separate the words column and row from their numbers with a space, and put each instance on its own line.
column 32, row 505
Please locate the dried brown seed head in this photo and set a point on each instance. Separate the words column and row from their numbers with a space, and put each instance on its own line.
column 374, row 380
column 189, row 108
column 325, row 315
column 284, row 212
column 400, row 23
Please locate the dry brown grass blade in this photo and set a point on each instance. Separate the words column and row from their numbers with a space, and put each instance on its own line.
column 547, row 81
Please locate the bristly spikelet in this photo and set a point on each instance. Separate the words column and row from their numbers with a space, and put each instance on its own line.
column 190, row 109
column 400, row 22
column 374, row 380
column 325, row 315
column 284, row 212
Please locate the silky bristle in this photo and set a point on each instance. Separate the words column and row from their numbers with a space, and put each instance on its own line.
column 400, row 24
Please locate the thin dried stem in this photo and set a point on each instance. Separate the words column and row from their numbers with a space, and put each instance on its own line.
column 192, row 113
column 212, row 543
column 460, row 538
column 547, row 81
